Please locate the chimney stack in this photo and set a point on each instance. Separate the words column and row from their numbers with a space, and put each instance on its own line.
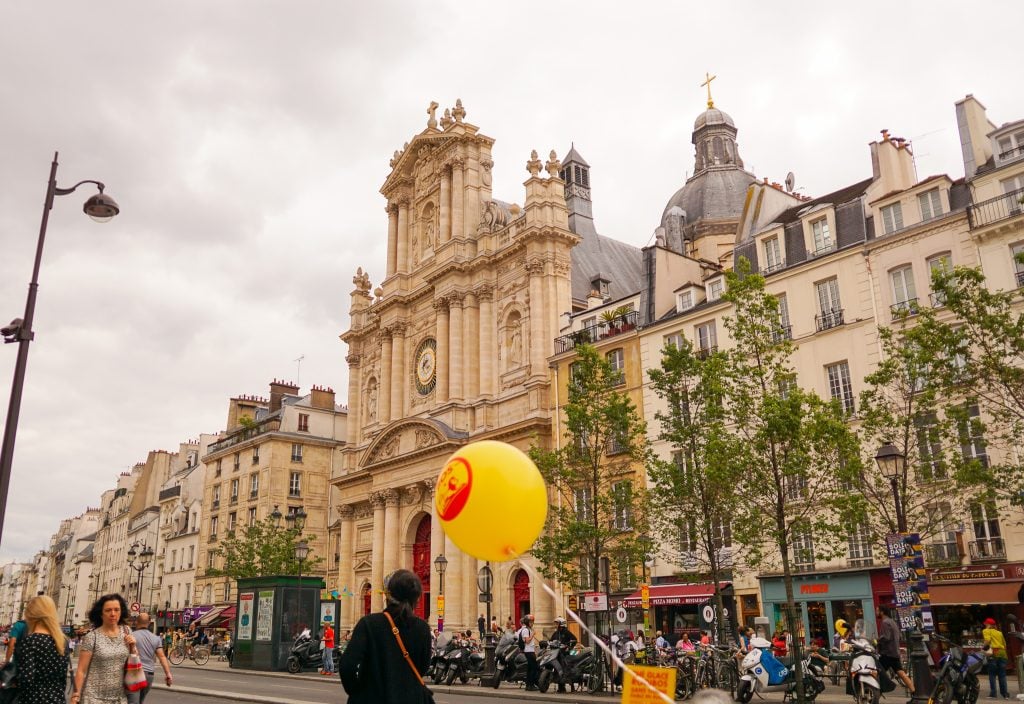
column 322, row 397
column 278, row 390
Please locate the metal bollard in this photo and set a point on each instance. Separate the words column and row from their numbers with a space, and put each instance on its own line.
column 1020, row 674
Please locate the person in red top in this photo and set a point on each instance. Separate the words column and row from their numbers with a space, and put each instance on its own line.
column 328, row 650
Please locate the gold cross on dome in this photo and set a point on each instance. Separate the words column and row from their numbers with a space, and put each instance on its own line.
column 707, row 82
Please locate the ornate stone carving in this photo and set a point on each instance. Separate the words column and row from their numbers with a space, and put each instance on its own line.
column 458, row 112
column 363, row 510
column 346, row 511
column 361, row 281
column 447, row 120
column 440, row 304
column 432, row 121
column 455, row 299
column 554, row 165
column 428, row 486
column 371, row 402
column 485, row 175
column 377, row 499
column 535, row 266
column 484, row 292
column 413, row 493
column 492, row 216
column 391, row 497
column 562, row 268
column 353, row 360
column 425, row 438
column 533, row 165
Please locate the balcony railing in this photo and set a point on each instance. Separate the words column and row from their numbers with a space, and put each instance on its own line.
column 1011, row 154
column 783, row 332
column 993, row 210
column 598, row 331
column 831, row 319
column 170, row 493
column 824, row 249
column 1020, row 279
column 937, row 300
column 705, row 352
column 942, row 554
column 768, row 269
column 239, row 436
column 987, row 549
column 907, row 307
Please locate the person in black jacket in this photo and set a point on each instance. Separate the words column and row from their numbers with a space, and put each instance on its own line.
column 372, row 669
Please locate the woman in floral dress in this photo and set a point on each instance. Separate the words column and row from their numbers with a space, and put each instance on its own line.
column 102, row 654
column 42, row 659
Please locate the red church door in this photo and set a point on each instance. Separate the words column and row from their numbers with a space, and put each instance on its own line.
column 521, row 595
column 366, row 600
column 421, row 565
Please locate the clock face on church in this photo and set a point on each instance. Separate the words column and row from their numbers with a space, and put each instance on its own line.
column 426, row 367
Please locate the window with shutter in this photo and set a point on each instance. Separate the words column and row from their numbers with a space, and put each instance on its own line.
column 892, row 218
column 931, row 204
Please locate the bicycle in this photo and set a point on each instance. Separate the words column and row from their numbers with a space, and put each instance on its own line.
column 199, row 654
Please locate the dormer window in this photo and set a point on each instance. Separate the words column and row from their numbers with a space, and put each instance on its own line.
column 822, row 235
column 601, row 286
column 772, row 254
column 684, row 300
column 931, row 204
column 715, row 289
column 1010, row 146
column 892, row 218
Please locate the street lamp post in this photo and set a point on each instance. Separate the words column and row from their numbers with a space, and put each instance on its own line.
column 892, row 463
column 298, row 520
column 67, row 604
column 440, row 564
column 485, row 581
column 139, row 561
column 100, row 208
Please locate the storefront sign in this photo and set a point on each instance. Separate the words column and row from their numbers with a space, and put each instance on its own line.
column 245, row 603
column 595, row 601
column 662, row 679
column 968, row 574
column 814, row 588
column 574, row 603
column 265, row 616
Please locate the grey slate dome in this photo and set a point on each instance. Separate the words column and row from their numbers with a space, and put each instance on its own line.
column 715, row 194
column 712, row 116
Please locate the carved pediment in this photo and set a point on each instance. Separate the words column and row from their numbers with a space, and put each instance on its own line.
column 408, row 437
column 363, row 565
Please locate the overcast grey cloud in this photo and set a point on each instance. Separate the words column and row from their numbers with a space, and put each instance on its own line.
column 246, row 143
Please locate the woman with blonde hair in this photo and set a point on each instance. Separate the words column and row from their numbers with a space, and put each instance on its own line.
column 42, row 655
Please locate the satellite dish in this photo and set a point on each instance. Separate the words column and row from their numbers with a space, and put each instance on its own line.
column 790, row 181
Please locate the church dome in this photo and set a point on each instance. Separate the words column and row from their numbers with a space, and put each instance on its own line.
column 712, row 116
column 715, row 194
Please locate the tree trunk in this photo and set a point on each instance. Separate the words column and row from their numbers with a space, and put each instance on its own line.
column 791, row 622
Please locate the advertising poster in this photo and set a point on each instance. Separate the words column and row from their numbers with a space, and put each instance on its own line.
column 329, row 613
column 245, row 604
column 265, row 616
column 663, row 679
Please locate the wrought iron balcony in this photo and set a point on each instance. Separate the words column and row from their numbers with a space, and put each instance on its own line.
column 1011, row 154
column 597, row 331
column 993, row 210
column 768, row 269
column 239, row 436
column 170, row 493
column 942, row 554
column 987, row 550
column 705, row 352
column 783, row 332
column 830, row 319
column 937, row 300
column 901, row 308
column 1020, row 279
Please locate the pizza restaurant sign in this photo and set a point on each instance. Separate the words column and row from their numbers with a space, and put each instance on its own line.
column 967, row 575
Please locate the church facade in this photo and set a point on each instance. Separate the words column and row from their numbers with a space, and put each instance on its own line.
column 450, row 348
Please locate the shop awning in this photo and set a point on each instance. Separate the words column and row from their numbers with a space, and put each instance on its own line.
column 674, row 595
column 210, row 615
column 954, row 594
column 225, row 616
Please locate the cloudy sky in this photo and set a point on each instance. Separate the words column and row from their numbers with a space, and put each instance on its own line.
column 246, row 143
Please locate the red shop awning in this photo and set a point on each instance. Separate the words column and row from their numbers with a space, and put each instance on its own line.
column 674, row 595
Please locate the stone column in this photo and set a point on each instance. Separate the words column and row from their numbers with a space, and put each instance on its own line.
column 538, row 363
column 436, row 547
column 540, row 601
column 391, row 531
column 453, row 616
column 345, row 550
column 471, row 347
column 444, row 232
column 384, row 382
column 488, row 331
column 455, row 346
column 392, row 211
column 377, row 556
column 355, row 420
column 403, row 235
column 441, row 387
column 397, row 373
column 458, row 193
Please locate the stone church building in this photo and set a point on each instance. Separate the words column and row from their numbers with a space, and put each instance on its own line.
column 453, row 347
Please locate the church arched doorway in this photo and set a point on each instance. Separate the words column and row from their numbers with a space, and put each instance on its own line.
column 421, row 565
column 367, row 600
column 521, row 595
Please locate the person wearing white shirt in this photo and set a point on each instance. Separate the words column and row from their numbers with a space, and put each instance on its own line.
column 530, row 651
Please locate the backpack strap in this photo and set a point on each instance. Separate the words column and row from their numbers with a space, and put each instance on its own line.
column 405, row 653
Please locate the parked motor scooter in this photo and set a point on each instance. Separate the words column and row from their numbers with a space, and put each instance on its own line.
column 306, row 653
column 958, row 676
column 464, row 661
column 761, row 671
column 562, row 666
column 509, row 661
column 443, row 645
column 867, row 679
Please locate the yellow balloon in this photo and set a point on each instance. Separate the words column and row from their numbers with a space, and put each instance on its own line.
column 491, row 500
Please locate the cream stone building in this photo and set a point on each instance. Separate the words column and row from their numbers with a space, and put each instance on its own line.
column 273, row 454
column 453, row 347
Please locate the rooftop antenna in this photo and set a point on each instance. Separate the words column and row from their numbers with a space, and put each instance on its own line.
column 790, row 181
column 298, row 370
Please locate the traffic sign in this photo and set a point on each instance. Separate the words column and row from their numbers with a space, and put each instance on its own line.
column 620, row 615
column 136, row 607
column 485, row 598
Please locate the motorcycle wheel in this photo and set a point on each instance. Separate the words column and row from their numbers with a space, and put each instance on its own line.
column 464, row 677
column 294, row 666
column 544, row 682
column 873, row 695
column 496, row 680
column 438, row 675
column 744, row 692
column 450, row 677
column 971, row 693
column 943, row 692
column 812, row 688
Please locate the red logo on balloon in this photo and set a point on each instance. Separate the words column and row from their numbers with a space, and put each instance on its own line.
column 453, row 488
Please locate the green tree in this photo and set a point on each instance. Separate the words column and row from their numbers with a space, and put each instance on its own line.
column 794, row 453
column 977, row 343
column 904, row 403
column 263, row 548
column 598, row 517
column 693, row 496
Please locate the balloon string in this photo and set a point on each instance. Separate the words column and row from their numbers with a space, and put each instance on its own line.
column 597, row 639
